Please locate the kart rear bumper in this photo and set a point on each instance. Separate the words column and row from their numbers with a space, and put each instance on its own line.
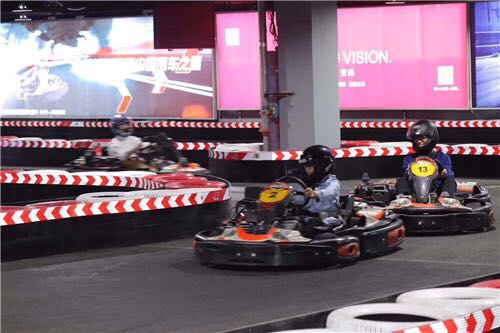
column 268, row 254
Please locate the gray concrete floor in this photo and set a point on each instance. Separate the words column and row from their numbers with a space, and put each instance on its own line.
column 162, row 288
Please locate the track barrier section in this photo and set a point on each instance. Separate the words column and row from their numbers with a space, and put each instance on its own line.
column 24, row 216
column 494, row 123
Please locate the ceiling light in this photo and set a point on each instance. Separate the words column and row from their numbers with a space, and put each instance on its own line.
column 393, row 2
column 22, row 18
column 21, row 8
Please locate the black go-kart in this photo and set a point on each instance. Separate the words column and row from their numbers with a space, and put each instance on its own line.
column 156, row 154
column 269, row 230
column 424, row 211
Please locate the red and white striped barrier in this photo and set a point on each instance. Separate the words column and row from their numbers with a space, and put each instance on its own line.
column 495, row 123
column 136, row 124
column 78, row 180
column 477, row 322
column 87, row 143
column 23, row 216
column 293, row 155
column 20, row 143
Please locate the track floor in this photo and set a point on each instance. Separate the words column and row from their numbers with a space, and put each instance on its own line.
column 162, row 288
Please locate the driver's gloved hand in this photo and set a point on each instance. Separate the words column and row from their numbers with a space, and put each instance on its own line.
column 443, row 174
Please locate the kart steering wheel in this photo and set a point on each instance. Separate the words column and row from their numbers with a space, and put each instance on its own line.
column 302, row 184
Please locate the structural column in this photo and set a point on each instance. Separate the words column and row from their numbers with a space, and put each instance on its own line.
column 308, row 67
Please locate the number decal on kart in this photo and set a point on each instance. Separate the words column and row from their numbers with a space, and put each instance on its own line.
column 273, row 195
column 422, row 168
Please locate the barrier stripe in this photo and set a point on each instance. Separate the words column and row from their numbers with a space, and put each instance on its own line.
column 87, row 143
column 23, row 216
column 293, row 155
column 494, row 123
column 477, row 322
column 78, row 180
column 135, row 124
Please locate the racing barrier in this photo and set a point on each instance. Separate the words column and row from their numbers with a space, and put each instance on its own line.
column 197, row 197
column 87, row 143
column 48, row 177
column 495, row 123
column 376, row 151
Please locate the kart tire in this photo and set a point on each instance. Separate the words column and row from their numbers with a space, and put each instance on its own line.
column 349, row 319
column 108, row 196
column 462, row 300
column 47, row 204
column 487, row 284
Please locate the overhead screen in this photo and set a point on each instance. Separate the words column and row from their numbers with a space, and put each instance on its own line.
column 238, row 61
column 403, row 57
column 97, row 68
column 486, row 42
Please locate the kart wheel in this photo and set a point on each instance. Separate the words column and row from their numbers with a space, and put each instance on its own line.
column 487, row 284
column 461, row 300
column 384, row 317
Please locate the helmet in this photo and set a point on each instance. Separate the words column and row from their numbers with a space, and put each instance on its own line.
column 321, row 158
column 423, row 128
column 118, row 121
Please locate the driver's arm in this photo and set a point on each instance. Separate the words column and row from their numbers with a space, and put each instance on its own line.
column 326, row 197
column 406, row 163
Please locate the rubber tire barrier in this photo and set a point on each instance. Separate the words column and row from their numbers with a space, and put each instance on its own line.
column 108, row 196
column 487, row 284
column 462, row 300
column 52, row 204
column 194, row 183
column 170, row 177
column 167, row 193
column 345, row 319
column 45, row 172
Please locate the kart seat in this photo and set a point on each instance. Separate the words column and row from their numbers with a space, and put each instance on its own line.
column 253, row 192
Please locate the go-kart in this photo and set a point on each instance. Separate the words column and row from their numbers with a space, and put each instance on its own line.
column 424, row 211
column 269, row 230
column 149, row 156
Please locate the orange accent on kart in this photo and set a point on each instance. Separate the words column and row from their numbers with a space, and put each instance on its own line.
column 244, row 235
column 349, row 250
column 395, row 236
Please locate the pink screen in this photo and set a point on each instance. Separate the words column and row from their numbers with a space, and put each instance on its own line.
column 403, row 57
column 238, row 61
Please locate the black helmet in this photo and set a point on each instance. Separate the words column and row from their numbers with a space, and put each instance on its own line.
column 423, row 128
column 118, row 121
column 321, row 158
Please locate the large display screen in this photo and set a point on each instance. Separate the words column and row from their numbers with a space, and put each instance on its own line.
column 486, row 42
column 97, row 68
column 403, row 57
column 238, row 61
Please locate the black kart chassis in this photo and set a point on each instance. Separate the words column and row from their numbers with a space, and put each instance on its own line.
column 315, row 253
column 445, row 220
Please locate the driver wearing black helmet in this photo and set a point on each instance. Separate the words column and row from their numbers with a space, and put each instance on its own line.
column 424, row 136
column 323, row 187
